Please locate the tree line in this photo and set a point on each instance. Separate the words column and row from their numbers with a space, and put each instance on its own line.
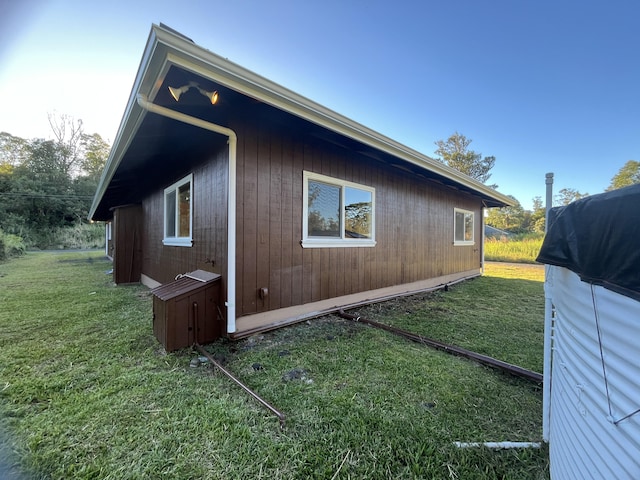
column 455, row 153
column 48, row 185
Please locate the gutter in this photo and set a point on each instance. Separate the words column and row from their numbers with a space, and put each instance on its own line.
column 197, row 59
column 230, row 303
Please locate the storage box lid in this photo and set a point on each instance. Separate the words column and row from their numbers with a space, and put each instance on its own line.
column 185, row 283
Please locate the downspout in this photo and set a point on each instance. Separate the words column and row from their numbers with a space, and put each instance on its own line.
column 548, row 325
column 230, row 303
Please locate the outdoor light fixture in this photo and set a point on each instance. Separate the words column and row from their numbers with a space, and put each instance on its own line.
column 212, row 96
column 176, row 92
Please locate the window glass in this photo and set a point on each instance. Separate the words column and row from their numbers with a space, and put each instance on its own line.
column 184, row 204
column 337, row 213
column 178, row 213
column 324, row 210
column 468, row 227
column 170, row 214
column 357, row 213
column 463, row 227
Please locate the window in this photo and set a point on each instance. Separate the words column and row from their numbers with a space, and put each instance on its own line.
column 178, row 213
column 463, row 227
column 337, row 213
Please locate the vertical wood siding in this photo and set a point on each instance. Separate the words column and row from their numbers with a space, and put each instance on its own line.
column 414, row 225
column 209, row 196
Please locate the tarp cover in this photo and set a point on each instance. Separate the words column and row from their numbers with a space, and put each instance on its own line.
column 598, row 238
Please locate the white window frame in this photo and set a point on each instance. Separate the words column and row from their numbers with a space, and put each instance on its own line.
column 342, row 241
column 178, row 241
column 473, row 227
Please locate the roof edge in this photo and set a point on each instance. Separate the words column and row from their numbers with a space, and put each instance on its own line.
column 185, row 53
column 218, row 68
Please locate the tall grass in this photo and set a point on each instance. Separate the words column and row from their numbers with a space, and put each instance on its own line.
column 79, row 236
column 519, row 249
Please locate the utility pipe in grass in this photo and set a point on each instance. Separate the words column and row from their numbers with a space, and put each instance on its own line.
column 263, row 402
column 454, row 350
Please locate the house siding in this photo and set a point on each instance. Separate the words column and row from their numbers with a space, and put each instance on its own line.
column 209, row 251
column 414, row 225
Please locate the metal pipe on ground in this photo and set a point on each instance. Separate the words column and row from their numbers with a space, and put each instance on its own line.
column 452, row 349
column 263, row 402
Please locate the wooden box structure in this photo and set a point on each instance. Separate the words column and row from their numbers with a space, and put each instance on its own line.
column 186, row 310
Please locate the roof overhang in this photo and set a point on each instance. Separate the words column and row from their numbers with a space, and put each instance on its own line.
column 170, row 57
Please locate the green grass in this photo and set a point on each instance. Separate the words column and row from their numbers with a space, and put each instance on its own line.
column 522, row 249
column 86, row 391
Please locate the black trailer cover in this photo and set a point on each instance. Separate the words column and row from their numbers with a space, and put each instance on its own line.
column 598, row 238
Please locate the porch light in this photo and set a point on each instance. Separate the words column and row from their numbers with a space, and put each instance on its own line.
column 212, row 96
column 176, row 92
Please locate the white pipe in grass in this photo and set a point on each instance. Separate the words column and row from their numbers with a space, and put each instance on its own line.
column 497, row 445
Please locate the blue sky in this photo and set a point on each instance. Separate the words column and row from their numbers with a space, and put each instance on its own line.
column 544, row 86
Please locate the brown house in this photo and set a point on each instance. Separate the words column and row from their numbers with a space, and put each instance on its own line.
column 297, row 208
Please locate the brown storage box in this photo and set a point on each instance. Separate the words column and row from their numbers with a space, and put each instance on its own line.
column 186, row 311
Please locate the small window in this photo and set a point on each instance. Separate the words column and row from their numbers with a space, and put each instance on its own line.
column 178, row 213
column 463, row 227
column 337, row 213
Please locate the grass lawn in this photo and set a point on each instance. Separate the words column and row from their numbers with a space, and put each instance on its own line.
column 86, row 391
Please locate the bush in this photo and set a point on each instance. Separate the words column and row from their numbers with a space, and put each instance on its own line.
column 79, row 236
column 11, row 246
column 84, row 235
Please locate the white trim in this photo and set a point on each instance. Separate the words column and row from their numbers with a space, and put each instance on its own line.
column 342, row 241
column 280, row 317
column 165, row 46
column 473, row 232
column 199, row 60
column 231, row 200
column 149, row 282
column 178, row 241
column 107, row 239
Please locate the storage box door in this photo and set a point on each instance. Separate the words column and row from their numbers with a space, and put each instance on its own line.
column 211, row 329
column 182, row 325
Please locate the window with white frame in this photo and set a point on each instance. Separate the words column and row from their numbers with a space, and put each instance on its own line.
column 337, row 213
column 463, row 227
column 178, row 213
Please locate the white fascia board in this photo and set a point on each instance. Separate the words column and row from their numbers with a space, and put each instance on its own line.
column 188, row 55
column 165, row 48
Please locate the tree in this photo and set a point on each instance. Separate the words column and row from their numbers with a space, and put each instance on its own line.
column 538, row 216
column 44, row 187
column 512, row 219
column 13, row 150
column 42, row 192
column 68, row 133
column 629, row 174
column 96, row 152
column 456, row 154
column 567, row 195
